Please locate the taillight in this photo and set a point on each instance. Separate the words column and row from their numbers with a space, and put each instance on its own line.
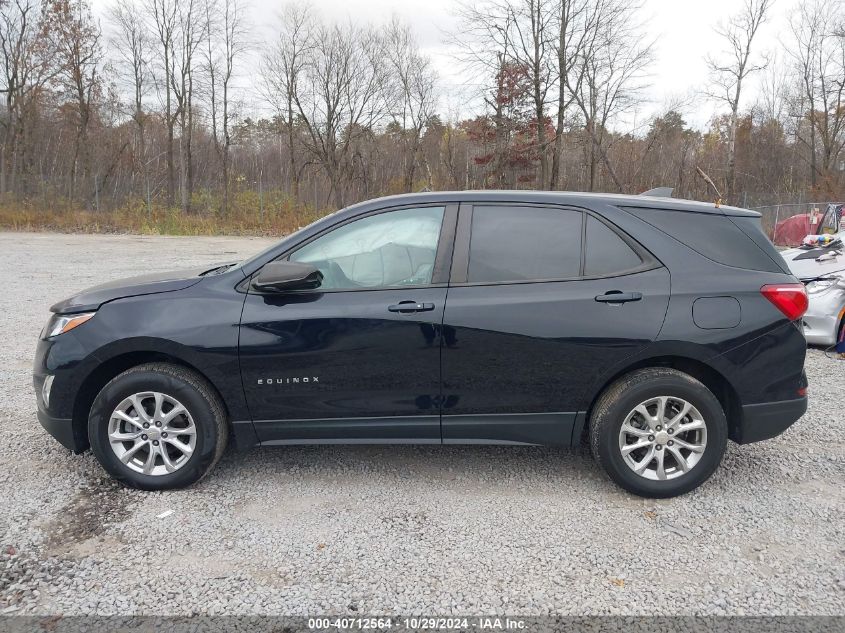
column 791, row 299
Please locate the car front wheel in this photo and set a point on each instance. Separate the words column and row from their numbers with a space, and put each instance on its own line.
column 658, row 432
column 157, row 426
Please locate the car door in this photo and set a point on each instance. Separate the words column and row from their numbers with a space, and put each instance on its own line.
column 357, row 359
column 543, row 300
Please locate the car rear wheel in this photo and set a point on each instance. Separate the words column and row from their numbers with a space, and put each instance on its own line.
column 157, row 426
column 658, row 432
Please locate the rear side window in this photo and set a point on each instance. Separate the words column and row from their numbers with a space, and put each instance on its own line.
column 606, row 252
column 713, row 235
column 512, row 243
column 753, row 229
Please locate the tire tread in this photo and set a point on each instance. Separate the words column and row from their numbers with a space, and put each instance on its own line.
column 600, row 421
column 206, row 391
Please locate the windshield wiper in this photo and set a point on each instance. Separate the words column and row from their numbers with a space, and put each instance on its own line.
column 825, row 277
column 218, row 269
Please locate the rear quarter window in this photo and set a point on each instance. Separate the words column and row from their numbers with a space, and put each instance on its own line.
column 606, row 253
column 714, row 236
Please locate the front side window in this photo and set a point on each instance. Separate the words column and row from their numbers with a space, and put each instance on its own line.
column 396, row 248
column 513, row 243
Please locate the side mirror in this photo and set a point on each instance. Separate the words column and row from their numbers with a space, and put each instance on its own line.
column 287, row 276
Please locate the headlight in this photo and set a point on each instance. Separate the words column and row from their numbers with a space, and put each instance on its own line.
column 61, row 323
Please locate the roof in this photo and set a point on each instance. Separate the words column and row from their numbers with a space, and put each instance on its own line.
column 573, row 198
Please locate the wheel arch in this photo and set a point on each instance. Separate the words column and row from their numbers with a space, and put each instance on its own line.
column 114, row 366
column 702, row 371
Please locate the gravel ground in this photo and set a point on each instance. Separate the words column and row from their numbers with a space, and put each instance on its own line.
column 363, row 530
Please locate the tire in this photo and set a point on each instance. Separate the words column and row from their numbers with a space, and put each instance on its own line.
column 706, row 419
column 160, row 389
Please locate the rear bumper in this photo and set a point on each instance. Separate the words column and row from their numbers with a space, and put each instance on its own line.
column 765, row 421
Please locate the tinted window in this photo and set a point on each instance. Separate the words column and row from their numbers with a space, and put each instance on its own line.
column 713, row 235
column 753, row 229
column 523, row 243
column 396, row 248
column 607, row 253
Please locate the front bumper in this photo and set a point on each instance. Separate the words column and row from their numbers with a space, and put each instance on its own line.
column 823, row 316
column 820, row 329
column 765, row 421
column 61, row 357
column 62, row 430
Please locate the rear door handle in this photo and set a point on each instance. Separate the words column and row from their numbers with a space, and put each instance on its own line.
column 616, row 296
column 407, row 307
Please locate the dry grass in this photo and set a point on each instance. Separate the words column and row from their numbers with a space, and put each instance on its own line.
column 279, row 216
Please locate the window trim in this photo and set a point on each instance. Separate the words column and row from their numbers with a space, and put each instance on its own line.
column 463, row 239
column 442, row 257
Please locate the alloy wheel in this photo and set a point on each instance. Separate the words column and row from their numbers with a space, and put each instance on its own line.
column 663, row 438
column 152, row 433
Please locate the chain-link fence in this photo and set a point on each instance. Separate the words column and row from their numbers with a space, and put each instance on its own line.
column 772, row 214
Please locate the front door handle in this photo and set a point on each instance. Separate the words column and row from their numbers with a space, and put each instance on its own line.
column 617, row 296
column 407, row 307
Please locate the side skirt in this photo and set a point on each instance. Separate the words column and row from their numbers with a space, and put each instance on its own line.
column 417, row 429
column 548, row 429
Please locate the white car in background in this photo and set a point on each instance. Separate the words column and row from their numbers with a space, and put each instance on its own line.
column 822, row 270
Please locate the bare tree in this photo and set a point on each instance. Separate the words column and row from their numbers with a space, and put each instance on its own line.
column 485, row 43
column 558, row 83
column 163, row 16
column 341, row 97
column 229, row 19
column 572, row 23
column 282, row 69
column 75, row 36
column 26, row 65
column 413, row 100
column 132, row 42
column 500, row 37
column 533, row 45
column 819, row 59
column 608, row 76
column 190, row 33
column 730, row 70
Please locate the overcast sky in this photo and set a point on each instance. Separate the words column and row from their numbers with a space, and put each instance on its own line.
column 683, row 30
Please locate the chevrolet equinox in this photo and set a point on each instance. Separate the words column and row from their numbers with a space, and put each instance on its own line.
column 656, row 328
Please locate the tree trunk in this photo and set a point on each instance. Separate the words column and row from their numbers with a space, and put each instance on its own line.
column 555, row 178
column 730, row 177
column 591, row 132
column 171, row 124
column 189, row 173
column 541, row 138
column 813, row 165
column 539, row 106
column 411, row 164
column 333, row 172
column 226, row 143
column 293, row 177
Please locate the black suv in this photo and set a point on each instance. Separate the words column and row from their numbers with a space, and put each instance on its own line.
column 657, row 328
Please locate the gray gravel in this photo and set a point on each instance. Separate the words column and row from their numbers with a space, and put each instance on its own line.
column 362, row 530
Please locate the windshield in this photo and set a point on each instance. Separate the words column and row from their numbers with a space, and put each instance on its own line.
column 264, row 253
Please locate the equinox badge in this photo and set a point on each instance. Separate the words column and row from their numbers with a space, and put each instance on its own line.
column 288, row 381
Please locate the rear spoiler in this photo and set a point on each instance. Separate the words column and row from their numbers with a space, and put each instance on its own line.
column 659, row 192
